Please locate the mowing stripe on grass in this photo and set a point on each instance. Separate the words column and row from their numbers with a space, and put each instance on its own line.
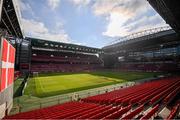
column 48, row 85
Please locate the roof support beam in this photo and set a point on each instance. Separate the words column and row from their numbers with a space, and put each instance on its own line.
column 6, row 26
column 1, row 4
column 10, row 21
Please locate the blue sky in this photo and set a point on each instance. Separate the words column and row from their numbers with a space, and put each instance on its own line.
column 93, row 23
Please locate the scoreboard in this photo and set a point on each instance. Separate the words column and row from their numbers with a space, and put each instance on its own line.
column 7, row 60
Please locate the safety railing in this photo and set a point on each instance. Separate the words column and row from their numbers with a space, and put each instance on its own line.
column 31, row 103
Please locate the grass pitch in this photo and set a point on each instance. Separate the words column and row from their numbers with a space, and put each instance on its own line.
column 54, row 84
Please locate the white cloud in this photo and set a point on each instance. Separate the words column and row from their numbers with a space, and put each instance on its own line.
column 33, row 26
column 53, row 4
column 80, row 2
column 24, row 6
column 39, row 30
column 78, row 43
column 124, row 7
column 119, row 12
column 115, row 26
column 146, row 23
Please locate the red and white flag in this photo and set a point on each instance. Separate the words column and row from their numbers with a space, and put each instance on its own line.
column 6, row 64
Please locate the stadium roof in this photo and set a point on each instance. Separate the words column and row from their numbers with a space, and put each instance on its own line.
column 142, row 34
column 169, row 10
column 148, row 42
column 39, row 43
column 10, row 18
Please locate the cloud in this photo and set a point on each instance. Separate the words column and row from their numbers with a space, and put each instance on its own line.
column 80, row 2
column 146, row 22
column 53, row 4
column 124, row 7
column 34, row 28
column 119, row 12
column 39, row 30
column 24, row 6
column 116, row 28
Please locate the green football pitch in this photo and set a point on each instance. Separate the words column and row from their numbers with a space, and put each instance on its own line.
column 54, row 84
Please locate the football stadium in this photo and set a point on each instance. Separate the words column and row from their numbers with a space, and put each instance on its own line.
column 134, row 76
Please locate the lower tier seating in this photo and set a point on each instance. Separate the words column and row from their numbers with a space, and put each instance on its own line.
column 52, row 67
column 149, row 67
column 142, row 101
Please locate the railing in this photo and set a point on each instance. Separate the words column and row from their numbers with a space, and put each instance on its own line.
column 31, row 103
column 141, row 34
column 28, row 103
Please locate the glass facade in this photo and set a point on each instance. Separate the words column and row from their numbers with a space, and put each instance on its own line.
column 164, row 52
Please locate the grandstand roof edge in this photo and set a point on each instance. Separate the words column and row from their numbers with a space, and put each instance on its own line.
column 129, row 41
column 18, row 14
column 32, row 38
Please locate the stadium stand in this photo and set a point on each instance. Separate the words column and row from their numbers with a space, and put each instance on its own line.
column 64, row 58
column 149, row 67
column 162, row 56
column 44, row 62
column 157, row 51
column 115, row 105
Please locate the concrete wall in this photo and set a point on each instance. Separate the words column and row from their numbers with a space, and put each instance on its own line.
column 6, row 101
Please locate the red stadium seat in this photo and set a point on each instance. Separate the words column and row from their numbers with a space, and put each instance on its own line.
column 106, row 106
column 134, row 113
column 173, row 112
column 150, row 113
column 118, row 113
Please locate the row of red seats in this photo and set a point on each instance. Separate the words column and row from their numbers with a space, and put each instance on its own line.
column 59, row 111
column 118, row 113
column 63, row 67
column 164, row 93
column 151, row 112
column 132, row 95
column 126, row 103
column 171, row 96
column 132, row 114
column 174, row 111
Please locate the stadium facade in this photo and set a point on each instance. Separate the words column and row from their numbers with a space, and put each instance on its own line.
column 159, row 51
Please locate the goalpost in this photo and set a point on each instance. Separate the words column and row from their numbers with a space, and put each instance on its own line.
column 35, row 74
